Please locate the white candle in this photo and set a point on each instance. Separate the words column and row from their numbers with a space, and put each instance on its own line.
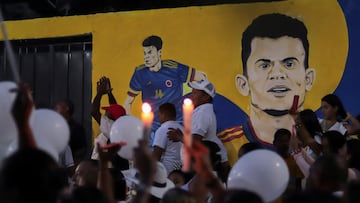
column 188, row 108
column 147, row 117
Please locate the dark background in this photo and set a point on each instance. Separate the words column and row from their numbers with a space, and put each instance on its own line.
column 27, row 9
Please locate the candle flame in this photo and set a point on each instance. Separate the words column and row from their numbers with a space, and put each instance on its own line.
column 146, row 108
column 187, row 102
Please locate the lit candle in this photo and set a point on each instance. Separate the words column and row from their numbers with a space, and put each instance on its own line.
column 147, row 117
column 188, row 108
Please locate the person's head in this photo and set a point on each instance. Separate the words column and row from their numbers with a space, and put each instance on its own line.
column 275, row 53
column 332, row 107
column 310, row 121
column 177, row 195
column 86, row 173
column 167, row 112
column 215, row 159
column 248, row 147
column 282, row 140
column 161, row 184
column 177, row 177
column 114, row 111
column 31, row 175
column 353, row 150
column 203, row 91
column 152, row 50
column 333, row 142
column 65, row 108
column 327, row 174
column 239, row 195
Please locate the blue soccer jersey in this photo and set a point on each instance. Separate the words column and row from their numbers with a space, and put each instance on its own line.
column 160, row 87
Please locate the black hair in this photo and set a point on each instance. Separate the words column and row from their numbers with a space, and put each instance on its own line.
column 274, row 25
column 353, row 149
column 281, row 132
column 70, row 105
column 239, row 195
column 31, row 175
column 169, row 110
column 335, row 101
column 310, row 122
column 248, row 147
column 335, row 139
column 153, row 41
column 215, row 158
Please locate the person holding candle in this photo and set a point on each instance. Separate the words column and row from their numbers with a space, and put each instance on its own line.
column 165, row 150
column 203, row 120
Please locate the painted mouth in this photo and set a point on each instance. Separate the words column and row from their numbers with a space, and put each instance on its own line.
column 279, row 89
column 276, row 113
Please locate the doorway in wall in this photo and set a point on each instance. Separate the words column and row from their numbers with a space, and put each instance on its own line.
column 56, row 69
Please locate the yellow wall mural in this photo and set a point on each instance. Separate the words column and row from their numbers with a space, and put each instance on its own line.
column 207, row 38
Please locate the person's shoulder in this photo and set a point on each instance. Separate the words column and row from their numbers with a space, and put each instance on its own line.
column 175, row 124
column 140, row 67
column 171, row 64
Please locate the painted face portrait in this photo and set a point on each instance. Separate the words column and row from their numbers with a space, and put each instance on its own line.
column 152, row 56
column 275, row 73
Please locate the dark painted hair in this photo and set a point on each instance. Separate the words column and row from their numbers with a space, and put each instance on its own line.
column 153, row 41
column 274, row 25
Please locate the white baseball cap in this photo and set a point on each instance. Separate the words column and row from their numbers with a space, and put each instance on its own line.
column 204, row 85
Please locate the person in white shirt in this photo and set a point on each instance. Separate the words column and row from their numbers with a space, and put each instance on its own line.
column 334, row 113
column 165, row 150
column 203, row 120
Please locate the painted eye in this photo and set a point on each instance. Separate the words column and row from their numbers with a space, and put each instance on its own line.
column 290, row 63
column 264, row 65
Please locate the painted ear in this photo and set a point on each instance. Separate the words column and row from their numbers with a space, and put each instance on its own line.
column 242, row 84
column 310, row 75
column 160, row 52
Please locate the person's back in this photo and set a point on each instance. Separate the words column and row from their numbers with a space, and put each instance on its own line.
column 203, row 120
column 165, row 150
column 77, row 140
column 171, row 157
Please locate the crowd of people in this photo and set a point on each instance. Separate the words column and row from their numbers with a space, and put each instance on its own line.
column 323, row 160
column 322, row 156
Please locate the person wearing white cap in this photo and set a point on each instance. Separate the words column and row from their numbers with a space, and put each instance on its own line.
column 203, row 120
column 161, row 183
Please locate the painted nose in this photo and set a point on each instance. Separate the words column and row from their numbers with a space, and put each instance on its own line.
column 277, row 73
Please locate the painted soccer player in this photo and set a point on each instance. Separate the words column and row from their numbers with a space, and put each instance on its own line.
column 159, row 81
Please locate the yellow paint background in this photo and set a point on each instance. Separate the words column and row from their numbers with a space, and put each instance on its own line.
column 207, row 38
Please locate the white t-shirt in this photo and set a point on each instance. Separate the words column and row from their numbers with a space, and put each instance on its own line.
column 337, row 127
column 171, row 157
column 103, row 137
column 65, row 158
column 203, row 122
